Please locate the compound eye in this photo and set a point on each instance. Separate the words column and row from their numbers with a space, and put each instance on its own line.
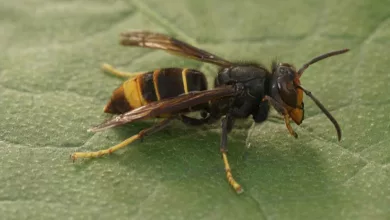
column 285, row 83
column 287, row 89
column 288, row 94
column 285, row 79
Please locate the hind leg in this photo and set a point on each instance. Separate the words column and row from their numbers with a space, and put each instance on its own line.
column 110, row 69
column 148, row 131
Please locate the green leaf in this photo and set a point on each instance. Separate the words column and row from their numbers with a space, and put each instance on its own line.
column 52, row 90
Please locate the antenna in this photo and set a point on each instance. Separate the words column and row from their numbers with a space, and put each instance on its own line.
column 321, row 57
column 324, row 110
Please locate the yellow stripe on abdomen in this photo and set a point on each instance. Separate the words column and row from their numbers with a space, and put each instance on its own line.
column 184, row 78
column 139, row 81
column 155, row 82
column 132, row 93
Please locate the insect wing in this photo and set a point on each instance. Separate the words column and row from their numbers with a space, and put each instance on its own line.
column 167, row 106
column 172, row 45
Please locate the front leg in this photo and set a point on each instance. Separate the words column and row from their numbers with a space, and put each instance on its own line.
column 243, row 111
column 283, row 111
column 223, row 148
column 262, row 112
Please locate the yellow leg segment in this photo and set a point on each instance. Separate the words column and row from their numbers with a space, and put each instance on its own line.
column 162, row 124
column 229, row 175
column 283, row 111
column 110, row 69
column 290, row 129
column 110, row 150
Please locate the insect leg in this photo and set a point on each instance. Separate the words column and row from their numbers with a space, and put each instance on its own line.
column 110, row 69
column 140, row 135
column 277, row 105
column 279, row 108
column 223, row 149
column 276, row 117
column 192, row 121
column 288, row 125
column 243, row 111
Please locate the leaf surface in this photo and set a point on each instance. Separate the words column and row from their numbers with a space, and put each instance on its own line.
column 52, row 91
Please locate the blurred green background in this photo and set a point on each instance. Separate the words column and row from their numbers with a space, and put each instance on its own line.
column 52, row 90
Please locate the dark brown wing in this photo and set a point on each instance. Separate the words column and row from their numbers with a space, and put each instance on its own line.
column 167, row 106
column 172, row 45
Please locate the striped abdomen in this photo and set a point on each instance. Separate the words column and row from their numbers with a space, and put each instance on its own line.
column 154, row 86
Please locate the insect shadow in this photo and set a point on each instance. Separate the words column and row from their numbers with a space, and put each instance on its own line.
column 274, row 167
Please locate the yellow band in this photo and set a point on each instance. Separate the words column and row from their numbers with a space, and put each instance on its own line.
column 155, row 83
column 184, row 77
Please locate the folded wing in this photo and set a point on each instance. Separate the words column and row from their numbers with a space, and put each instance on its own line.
column 168, row 106
column 172, row 45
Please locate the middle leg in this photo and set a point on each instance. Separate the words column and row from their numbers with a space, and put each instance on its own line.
column 223, row 148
